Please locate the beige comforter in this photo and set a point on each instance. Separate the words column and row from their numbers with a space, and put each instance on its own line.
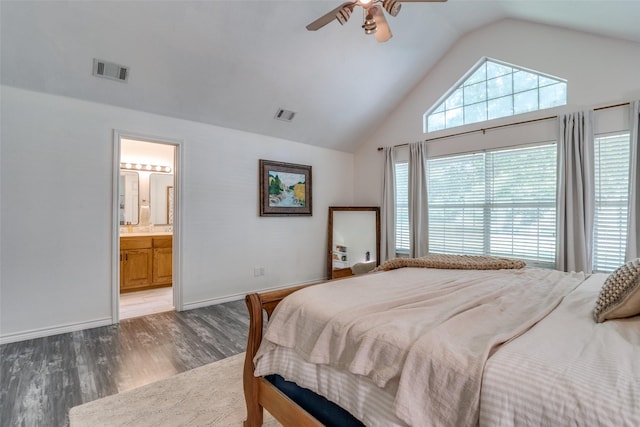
column 576, row 371
column 423, row 334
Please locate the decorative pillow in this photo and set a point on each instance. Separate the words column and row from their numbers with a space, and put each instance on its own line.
column 620, row 294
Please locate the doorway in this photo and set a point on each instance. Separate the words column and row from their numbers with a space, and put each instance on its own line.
column 146, row 226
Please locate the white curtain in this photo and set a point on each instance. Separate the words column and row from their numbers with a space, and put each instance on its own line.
column 388, row 211
column 633, row 230
column 576, row 192
column 418, row 202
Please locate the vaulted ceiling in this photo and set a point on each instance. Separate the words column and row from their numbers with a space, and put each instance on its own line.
column 234, row 63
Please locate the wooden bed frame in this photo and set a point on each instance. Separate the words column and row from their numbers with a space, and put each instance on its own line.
column 259, row 393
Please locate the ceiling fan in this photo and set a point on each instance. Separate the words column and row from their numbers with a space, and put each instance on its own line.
column 374, row 19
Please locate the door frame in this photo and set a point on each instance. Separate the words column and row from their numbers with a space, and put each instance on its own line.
column 118, row 135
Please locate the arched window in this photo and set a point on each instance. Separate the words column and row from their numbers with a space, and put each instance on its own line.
column 494, row 89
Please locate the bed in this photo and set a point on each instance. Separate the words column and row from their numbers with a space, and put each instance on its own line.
column 419, row 346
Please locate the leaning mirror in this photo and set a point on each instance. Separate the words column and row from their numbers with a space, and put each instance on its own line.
column 128, row 197
column 354, row 240
column 161, row 198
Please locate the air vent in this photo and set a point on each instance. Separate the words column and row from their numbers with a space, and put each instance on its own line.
column 109, row 70
column 285, row 115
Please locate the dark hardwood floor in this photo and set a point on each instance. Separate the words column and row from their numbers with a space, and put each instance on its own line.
column 41, row 379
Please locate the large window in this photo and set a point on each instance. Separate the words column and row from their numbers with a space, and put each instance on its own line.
column 500, row 203
column 611, row 201
column 503, row 203
column 495, row 89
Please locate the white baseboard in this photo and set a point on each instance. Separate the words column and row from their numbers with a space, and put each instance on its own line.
column 235, row 297
column 54, row 330
column 211, row 301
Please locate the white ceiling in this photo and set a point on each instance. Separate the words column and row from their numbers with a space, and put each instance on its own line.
column 234, row 63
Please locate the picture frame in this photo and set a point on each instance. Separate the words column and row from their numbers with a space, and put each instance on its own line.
column 285, row 189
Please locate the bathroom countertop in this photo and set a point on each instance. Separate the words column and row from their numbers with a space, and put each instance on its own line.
column 146, row 233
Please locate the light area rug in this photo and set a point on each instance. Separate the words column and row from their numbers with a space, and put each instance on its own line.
column 210, row 395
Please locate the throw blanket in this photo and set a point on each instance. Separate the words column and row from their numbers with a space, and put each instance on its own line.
column 457, row 262
column 424, row 335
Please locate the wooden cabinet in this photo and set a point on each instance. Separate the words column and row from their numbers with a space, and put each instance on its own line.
column 145, row 262
column 162, row 261
column 136, row 268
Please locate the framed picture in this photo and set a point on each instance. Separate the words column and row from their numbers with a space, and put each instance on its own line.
column 285, row 189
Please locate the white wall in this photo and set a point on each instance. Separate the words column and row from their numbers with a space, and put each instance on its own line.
column 56, row 207
column 600, row 71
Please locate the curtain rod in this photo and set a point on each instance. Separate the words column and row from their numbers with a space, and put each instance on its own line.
column 483, row 130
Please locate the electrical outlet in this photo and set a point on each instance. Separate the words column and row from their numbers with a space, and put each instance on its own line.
column 258, row 271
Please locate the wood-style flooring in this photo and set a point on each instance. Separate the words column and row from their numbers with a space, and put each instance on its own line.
column 41, row 379
column 143, row 303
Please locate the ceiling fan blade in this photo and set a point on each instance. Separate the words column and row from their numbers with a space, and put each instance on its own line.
column 329, row 16
column 383, row 32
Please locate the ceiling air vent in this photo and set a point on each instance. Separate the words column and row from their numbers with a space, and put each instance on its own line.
column 285, row 115
column 110, row 70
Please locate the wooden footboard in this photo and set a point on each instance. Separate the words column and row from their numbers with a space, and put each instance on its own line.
column 258, row 392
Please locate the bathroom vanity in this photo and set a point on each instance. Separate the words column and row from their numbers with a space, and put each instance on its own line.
column 146, row 261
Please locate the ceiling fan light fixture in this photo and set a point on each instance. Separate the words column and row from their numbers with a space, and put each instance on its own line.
column 392, row 7
column 370, row 26
column 343, row 15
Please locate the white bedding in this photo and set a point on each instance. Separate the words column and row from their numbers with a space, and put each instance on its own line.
column 420, row 334
column 567, row 370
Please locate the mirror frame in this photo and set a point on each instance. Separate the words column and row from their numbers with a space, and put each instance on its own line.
column 167, row 205
column 333, row 209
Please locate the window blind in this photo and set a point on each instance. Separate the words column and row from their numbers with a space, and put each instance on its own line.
column 456, row 192
column 611, row 162
column 500, row 203
column 402, row 207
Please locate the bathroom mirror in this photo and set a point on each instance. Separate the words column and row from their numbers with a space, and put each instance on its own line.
column 128, row 197
column 161, row 198
column 354, row 240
